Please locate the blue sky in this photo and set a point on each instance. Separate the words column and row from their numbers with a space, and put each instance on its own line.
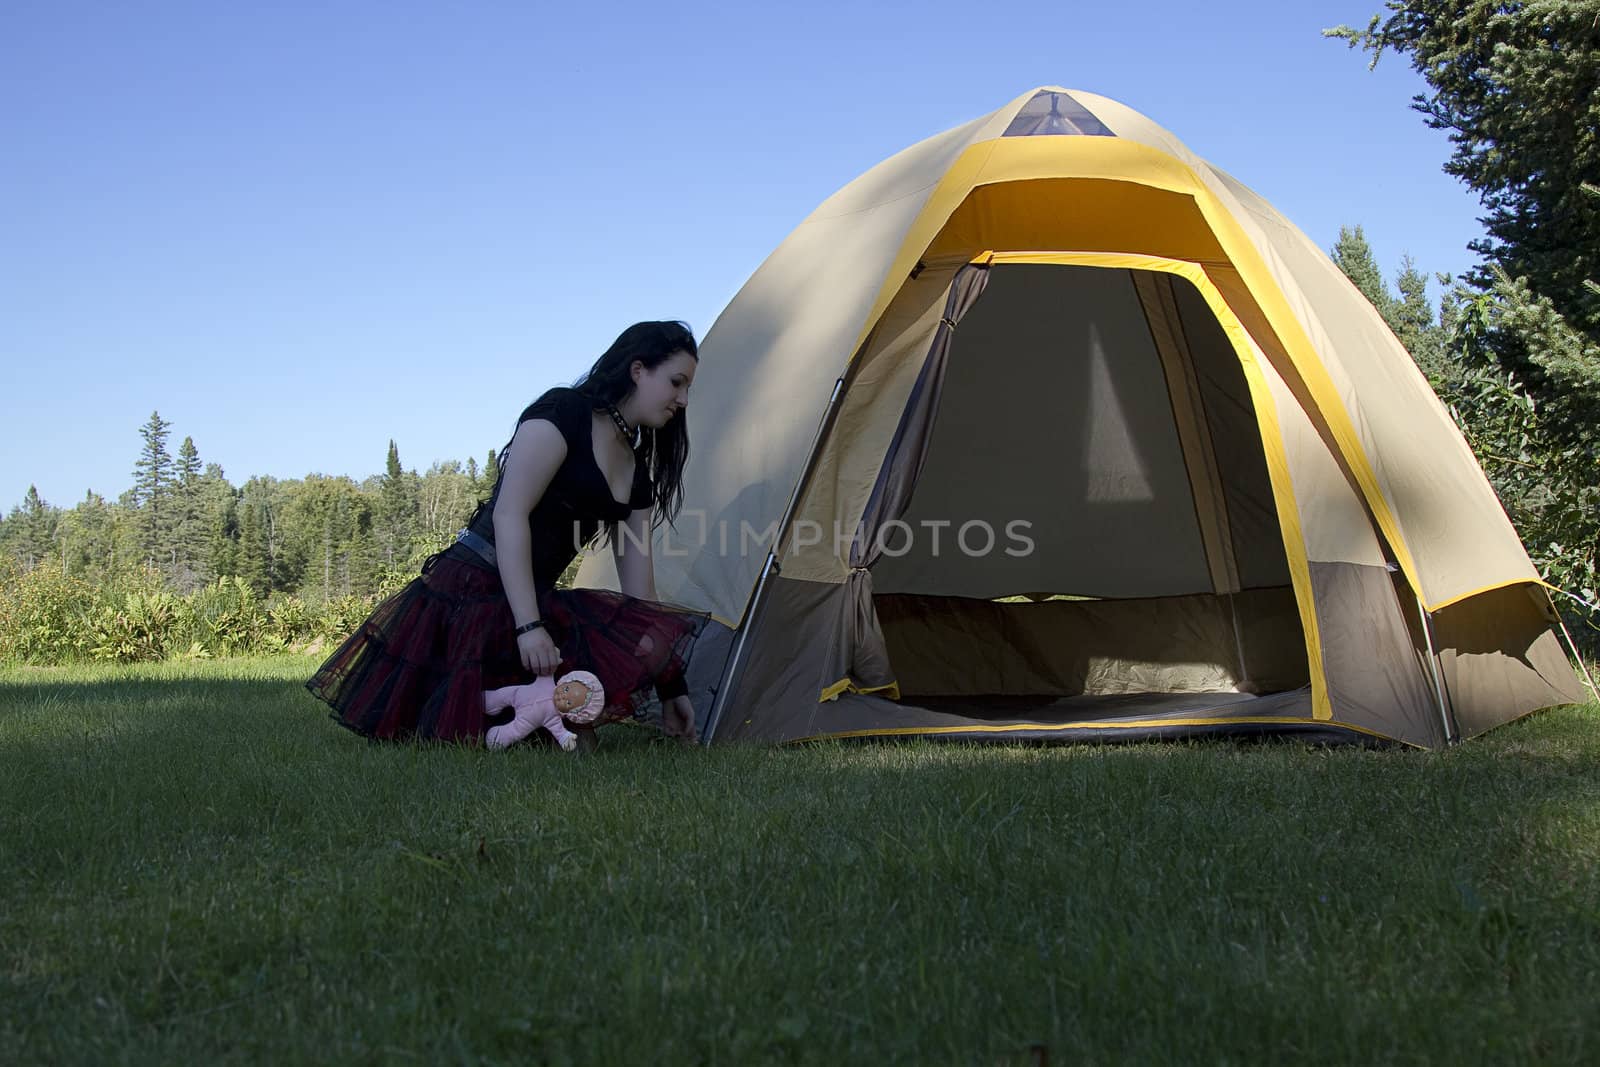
column 299, row 230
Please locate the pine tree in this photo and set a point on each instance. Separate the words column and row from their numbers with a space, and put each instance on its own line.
column 1409, row 316
column 1413, row 321
column 1592, row 192
column 89, row 538
column 251, row 561
column 256, row 562
column 1353, row 255
column 359, row 566
column 153, row 489
column 1517, row 85
column 1526, row 335
column 127, row 534
column 220, row 511
column 38, row 527
column 189, row 570
column 397, row 509
column 489, row 478
column 31, row 530
column 188, row 470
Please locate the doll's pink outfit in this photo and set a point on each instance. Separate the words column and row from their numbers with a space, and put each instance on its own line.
column 535, row 706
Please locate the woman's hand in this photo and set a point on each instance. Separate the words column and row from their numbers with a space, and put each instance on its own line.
column 538, row 651
column 677, row 719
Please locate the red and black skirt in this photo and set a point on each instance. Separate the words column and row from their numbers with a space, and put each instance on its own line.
column 419, row 665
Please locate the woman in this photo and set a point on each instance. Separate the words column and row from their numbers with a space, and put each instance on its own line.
column 605, row 455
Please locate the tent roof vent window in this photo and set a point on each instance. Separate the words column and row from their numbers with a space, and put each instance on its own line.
column 1051, row 112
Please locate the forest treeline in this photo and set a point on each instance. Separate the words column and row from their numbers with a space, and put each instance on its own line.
column 185, row 563
column 185, row 524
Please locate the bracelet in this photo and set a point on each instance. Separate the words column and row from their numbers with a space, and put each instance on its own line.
column 528, row 628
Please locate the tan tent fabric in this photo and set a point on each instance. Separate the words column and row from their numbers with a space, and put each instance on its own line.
column 1172, row 385
column 1428, row 474
column 901, row 470
column 881, row 380
column 1332, row 519
column 1500, row 658
column 1373, row 677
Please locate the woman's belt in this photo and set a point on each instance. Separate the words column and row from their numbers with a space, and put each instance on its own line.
column 482, row 546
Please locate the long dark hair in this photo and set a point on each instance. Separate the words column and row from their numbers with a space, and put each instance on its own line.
column 664, row 452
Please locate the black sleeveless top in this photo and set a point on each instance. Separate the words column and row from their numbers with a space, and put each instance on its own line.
column 578, row 499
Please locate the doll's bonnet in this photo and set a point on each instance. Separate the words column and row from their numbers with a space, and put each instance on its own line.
column 590, row 711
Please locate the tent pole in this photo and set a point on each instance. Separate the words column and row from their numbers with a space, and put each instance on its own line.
column 1433, row 668
column 738, row 652
column 729, row 672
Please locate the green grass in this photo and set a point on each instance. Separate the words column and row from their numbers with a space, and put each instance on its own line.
column 199, row 866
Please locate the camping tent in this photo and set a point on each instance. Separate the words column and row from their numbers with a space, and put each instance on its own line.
column 1046, row 428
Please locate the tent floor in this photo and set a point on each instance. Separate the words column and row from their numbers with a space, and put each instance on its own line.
column 1127, row 717
column 1087, row 708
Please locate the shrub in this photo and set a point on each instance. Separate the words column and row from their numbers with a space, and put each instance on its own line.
column 290, row 622
column 44, row 615
column 144, row 628
column 339, row 618
column 227, row 618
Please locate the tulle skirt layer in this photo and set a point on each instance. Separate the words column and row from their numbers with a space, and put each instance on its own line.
column 419, row 665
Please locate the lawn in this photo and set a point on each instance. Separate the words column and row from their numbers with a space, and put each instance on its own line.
column 199, row 866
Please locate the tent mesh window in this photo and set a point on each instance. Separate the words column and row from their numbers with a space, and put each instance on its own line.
column 1054, row 113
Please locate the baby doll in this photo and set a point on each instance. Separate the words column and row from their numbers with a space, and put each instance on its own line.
column 546, row 702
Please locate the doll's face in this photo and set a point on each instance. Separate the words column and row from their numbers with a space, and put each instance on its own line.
column 570, row 696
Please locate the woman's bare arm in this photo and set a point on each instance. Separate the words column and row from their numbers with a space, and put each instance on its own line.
column 536, row 453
